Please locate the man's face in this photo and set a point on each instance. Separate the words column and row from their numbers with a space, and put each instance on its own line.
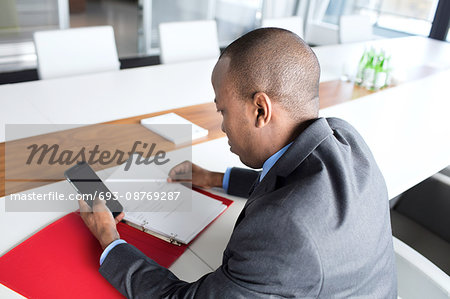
column 237, row 119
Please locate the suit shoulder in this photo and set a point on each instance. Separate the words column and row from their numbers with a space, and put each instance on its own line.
column 346, row 134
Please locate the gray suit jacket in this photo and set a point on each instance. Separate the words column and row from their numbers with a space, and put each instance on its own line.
column 316, row 226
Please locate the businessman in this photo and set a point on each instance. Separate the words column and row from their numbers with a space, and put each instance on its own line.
column 316, row 223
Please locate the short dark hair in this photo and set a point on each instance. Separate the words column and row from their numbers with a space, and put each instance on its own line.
column 278, row 62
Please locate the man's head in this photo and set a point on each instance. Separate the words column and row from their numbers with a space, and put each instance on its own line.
column 266, row 85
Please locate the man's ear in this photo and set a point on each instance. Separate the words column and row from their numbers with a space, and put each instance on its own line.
column 262, row 106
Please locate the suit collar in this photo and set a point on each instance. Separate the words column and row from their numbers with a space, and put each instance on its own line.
column 300, row 149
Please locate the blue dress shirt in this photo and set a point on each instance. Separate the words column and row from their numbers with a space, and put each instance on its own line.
column 109, row 247
column 265, row 169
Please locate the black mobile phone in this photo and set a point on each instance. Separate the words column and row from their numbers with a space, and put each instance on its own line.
column 83, row 178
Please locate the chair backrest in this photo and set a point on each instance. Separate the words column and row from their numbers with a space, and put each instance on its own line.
column 76, row 51
column 321, row 33
column 417, row 276
column 294, row 24
column 355, row 28
column 185, row 41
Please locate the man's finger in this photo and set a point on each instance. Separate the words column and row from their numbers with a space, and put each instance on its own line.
column 84, row 207
column 176, row 170
column 185, row 177
column 183, row 167
column 119, row 217
column 99, row 205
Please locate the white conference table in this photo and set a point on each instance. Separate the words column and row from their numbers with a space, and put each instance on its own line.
column 406, row 127
column 407, row 54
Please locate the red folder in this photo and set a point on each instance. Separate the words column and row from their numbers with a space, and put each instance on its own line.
column 62, row 260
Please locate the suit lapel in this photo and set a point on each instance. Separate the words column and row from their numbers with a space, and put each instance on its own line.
column 253, row 187
column 242, row 214
column 300, row 149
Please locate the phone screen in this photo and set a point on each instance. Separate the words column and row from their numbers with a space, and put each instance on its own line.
column 87, row 183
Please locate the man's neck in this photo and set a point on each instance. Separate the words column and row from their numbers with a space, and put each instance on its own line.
column 278, row 142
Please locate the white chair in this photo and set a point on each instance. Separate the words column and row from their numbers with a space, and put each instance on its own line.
column 417, row 276
column 185, row 41
column 321, row 33
column 294, row 24
column 355, row 28
column 76, row 51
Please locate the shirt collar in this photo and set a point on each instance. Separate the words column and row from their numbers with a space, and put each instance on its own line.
column 316, row 132
column 272, row 160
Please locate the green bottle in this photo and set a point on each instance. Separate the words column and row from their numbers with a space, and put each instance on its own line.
column 362, row 64
column 388, row 69
column 380, row 72
column 369, row 70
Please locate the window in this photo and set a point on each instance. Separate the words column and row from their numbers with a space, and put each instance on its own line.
column 234, row 18
column 409, row 16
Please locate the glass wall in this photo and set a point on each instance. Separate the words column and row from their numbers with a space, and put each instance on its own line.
column 122, row 15
column 408, row 16
column 135, row 22
column 154, row 12
column 233, row 17
column 20, row 18
column 411, row 16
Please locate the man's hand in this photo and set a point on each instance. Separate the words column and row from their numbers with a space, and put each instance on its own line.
column 100, row 221
column 200, row 177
